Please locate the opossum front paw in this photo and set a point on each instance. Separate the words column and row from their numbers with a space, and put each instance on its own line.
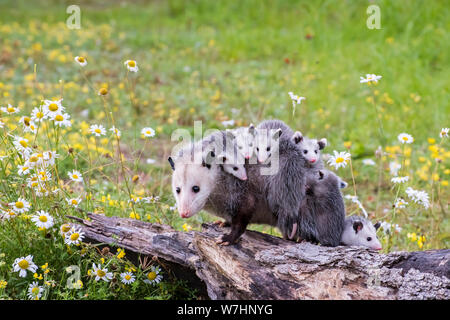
column 225, row 240
column 221, row 224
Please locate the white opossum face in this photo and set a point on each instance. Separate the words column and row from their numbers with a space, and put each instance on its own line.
column 310, row 148
column 267, row 144
column 191, row 185
column 244, row 139
column 362, row 234
column 236, row 168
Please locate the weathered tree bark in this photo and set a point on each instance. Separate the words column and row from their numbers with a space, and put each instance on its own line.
column 262, row 266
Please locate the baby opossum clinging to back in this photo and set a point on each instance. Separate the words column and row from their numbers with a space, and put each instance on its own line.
column 359, row 231
column 310, row 149
column 322, row 214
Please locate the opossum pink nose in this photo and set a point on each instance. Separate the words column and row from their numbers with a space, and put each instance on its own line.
column 247, row 156
column 244, row 178
column 312, row 160
column 184, row 214
column 378, row 248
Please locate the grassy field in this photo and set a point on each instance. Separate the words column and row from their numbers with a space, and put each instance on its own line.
column 211, row 61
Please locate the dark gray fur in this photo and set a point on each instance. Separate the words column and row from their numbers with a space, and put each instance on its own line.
column 322, row 214
column 284, row 190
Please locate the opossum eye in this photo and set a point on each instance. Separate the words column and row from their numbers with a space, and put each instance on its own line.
column 369, row 238
column 195, row 189
column 315, row 151
column 178, row 190
column 257, row 149
column 268, row 149
column 235, row 168
column 305, row 151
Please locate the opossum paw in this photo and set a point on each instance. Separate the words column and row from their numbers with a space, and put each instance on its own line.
column 225, row 240
column 221, row 224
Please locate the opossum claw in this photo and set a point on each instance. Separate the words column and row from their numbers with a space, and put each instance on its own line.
column 221, row 224
column 294, row 231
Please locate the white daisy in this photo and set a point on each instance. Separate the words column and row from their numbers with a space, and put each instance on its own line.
column 20, row 206
column 23, row 170
column 74, row 202
column 24, row 264
column 42, row 219
column 115, row 131
column 405, row 138
column 150, row 161
column 75, row 176
column 148, row 132
column 153, row 276
column 228, row 123
column 127, row 277
column 370, row 78
column 444, row 133
column 35, row 160
column 21, row 145
column 400, row 179
column 49, row 157
column 9, row 214
column 394, row 167
column 81, row 61
column 35, row 291
column 339, row 159
column 418, row 196
column 38, row 114
column 295, row 98
column 97, row 130
column 61, row 119
column 10, row 109
column 64, row 229
column 31, row 128
column 131, row 65
column 53, row 107
column 400, row 203
column 102, row 274
column 368, row 162
column 74, row 236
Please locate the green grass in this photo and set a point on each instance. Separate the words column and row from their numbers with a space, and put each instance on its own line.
column 214, row 61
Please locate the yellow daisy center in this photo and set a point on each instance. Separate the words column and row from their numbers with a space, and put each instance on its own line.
column 74, row 236
column 101, row 273
column 74, row 201
column 65, row 228
column 19, row 204
column 151, row 275
column 23, row 143
column 103, row 91
column 23, row 264
column 75, row 176
column 405, row 138
column 43, row 218
column 26, row 121
column 98, row 130
column 11, row 213
column 39, row 115
column 339, row 160
column 132, row 64
column 35, row 290
column 53, row 107
column 81, row 59
column 59, row 118
column 33, row 159
column 11, row 109
column 127, row 277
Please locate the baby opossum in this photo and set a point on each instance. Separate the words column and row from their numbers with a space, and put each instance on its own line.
column 284, row 185
column 359, row 231
column 322, row 214
column 244, row 138
column 310, row 149
column 236, row 168
column 268, row 135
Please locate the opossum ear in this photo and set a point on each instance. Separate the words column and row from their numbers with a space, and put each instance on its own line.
column 207, row 165
column 322, row 143
column 277, row 134
column 209, row 159
column 172, row 164
column 297, row 137
column 343, row 184
column 357, row 226
column 377, row 225
column 251, row 129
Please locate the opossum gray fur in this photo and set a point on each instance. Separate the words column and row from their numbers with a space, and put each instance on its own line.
column 284, row 189
column 359, row 231
column 322, row 214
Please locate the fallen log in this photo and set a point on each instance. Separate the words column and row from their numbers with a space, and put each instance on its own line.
column 262, row 266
